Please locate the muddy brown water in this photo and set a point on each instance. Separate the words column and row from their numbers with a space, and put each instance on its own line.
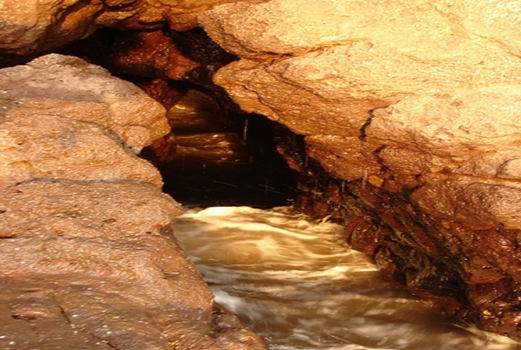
column 298, row 285
column 293, row 281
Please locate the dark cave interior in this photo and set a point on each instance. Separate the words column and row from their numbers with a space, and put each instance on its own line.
column 253, row 172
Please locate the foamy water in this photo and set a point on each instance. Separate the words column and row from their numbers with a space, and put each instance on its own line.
column 298, row 285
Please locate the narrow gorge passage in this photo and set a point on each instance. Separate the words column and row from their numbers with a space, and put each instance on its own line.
column 292, row 280
column 297, row 284
column 398, row 120
column 223, row 158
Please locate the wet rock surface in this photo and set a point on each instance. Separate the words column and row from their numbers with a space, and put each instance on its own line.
column 34, row 27
column 412, row 107
column 149, row 54
column 88, row 255
column 98, row 264
column 72, row 88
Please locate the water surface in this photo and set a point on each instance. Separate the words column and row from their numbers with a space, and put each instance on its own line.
column 298, row 285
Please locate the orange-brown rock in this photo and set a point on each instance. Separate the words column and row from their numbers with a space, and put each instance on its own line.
column 162, row 90
column 72, row 88
column 47, row 146
column 472, row 132
column 415, row 104
column 58, row 119
column 168, row 55
column 149, row 54
column 32, row 26
column 88, row 259
column 95, row 265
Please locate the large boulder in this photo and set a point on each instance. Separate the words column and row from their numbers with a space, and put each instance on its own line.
column 88, row 259
column 95, row 265
column 416, row 105
column 72, row 88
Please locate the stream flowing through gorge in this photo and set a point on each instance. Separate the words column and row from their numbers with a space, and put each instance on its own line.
column 297, row 284
column 293, row 281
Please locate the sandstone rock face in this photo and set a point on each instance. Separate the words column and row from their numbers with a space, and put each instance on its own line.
column 72, row 88
column 416, row 105
column 47, row 146
column 35, row 26
column 88, row 259
column 98, row 263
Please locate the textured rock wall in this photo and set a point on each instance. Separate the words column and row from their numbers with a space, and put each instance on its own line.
column 411, row 106
column 34, row 26
column 414, row 107
column 88, row 259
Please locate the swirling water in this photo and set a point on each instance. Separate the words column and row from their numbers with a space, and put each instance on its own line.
column 297, row 284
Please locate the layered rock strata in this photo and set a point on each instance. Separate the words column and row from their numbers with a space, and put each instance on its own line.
column 414, row 108
column 88, row 259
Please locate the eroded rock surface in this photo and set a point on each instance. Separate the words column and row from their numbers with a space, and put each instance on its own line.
column 48, row 146
column 33, row 26
column 416, row 105
column 149, row 54
column 88, row 259
column 70, row 87
column 98, row 262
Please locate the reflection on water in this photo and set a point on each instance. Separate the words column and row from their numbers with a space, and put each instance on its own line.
column 226, row 169
column 299, row 286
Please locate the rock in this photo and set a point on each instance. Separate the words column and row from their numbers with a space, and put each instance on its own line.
column 96, row 265
column 149, row 54
column 163, row 91
column 351, row 74
column 416, row 106
column 88, row 259
column 485, row 203
column 48, row 146
column 190, row 56
column 73, row 115
column 473, row 133
column 33, row 27
column 72, row 88
column 348, row 158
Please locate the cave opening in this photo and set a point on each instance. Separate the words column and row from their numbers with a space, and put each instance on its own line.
column 224, row 159
column 216, row 154
column 409, row 116
column 219, row 155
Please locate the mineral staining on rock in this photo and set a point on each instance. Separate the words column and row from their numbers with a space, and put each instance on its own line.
column 88, row 258
column 412, row 106
column 33, row 27
column 416, row 104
